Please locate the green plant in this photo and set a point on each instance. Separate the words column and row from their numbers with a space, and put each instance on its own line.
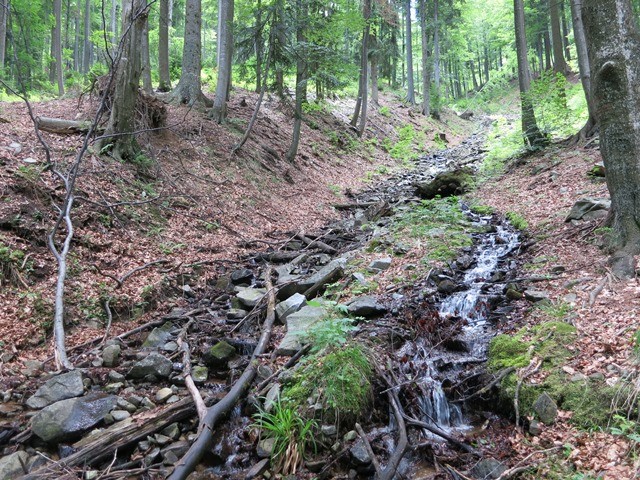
column 291, row 433
column 29, row 173
column 331, row 332
column 335, row 189
column 482, row 209
column 13, row 262
column 170, row 247
column 385, row 111
column 517, row 220
column 557, row 310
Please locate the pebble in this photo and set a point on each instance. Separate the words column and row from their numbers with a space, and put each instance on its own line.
column 163, row 395
column 119, row 415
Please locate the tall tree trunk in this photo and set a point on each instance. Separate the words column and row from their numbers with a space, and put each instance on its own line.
column 530, row 131
column 426, row 64
column 4, row 15
column 259, row 46
column 301, row 66
column 122, row 119
column 86, row 57
column 436, row 59
column 585, row 70
column 278, row 47
column 163, row 48
column 374, row 67
column 114, row 22
column 565, row 31
column 559, row 63
column 612, row 40
column 365, row 55
column 145, row 59
column 411, row 95
column 547, row 50
column 189, row 88
column 57, row 45
column 77, row 61
column 225, row 51
column 362, row 79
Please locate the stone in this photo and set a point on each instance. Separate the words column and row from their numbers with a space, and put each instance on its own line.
column 153, row 364
column 272, row 396
column 297, row 326
column 534, row 295
column 91, row 474
column 159, row 336
column 188, row 291
column 329, row 430
column 367, row 307
column 597, row 170
column 380, row 264
column 11, row 465
column 445, row 184
column 199, row 374
column 32, row 367
column 124, row 405
column 258, row 469
column 217, row 356
column 447, row 286
column 289, row 306
column 360, row 278
column 177, row 448
column 331, row 272
column 243, row 275
column 161, row 439
column 172, row 431
column 535, row 428
column 111, row 355
column 488, row 468
column 114, row 387
column 545, row 408
column 359, row 454
column 60, row 387
column 589, row 209
column 250, row 297
column 236, row 314
column 170, row 347
column 513, row 294
column 265, row 447
column 67, row 419
column 16, row 147
column 119, row 415
column 169, row 458
column 163, row 395
column 350, row 436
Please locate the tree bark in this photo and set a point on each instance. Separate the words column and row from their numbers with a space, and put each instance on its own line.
column 189, row 88
column 225, row 52
column 4, row 14
column 114, row 22
column 426, row 65
column 613, row 43
column 145, row 59
column 436, row 59
column 301, row 67
column 360, row 111
column 411, row 94
column 56, row 45
column 530, row 131
column 259, row 46
column 86, row 50
column 163, row 48
column 374, row 67
column 559, row 63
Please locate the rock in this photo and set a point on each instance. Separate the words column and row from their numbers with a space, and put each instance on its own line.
column 258, row 469
column 545, row 408
column 329, row 430
column 154, row 364
column 331, row 272
column 265, row 447
column 32, row 367
column 367, row 307
column 289, row 306
column 67, row 419
column 11, row 465
column 489, row 468
column 513, row 294
column 16, row 147
column 589, row 209
column 161, row 439
column 188, row 291
column 250, row 297
column 178, row 448
column 60, row 387
column 447, row 286
column 273, row 395
column 172, row 431
column 534, row 295
column 199, row 374
column 217, row 356
column 597, row 170
column 124, row 405
column 359, row 454
column 236, row 314
column 297, row 326
column 119, row 415
column 535, row 428
column 243, row 275
column 360, row 278
column 380, row 264
column 350, row 436
column 159, row 336
column 111, row 355
column 163, row 395
column 445, row 184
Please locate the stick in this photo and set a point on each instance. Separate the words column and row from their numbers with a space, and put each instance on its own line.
column 205, row 436
column 188, row 380
column 501, row 374
column 389, row 472
column 516, row 397
column 316, row 244
column 367, row 445
column 440, row 433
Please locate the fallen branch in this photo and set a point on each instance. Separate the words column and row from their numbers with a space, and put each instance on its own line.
column 521, row 379
column 120, row 281
column 442, row 434
column 596, row 291
column 316, row 244
column 367, row 446
column 65, row 127
column 188, row 379
column 390, row 470
column 353, row 206
column 518, row 468
column 290, row 363
column 498, row 378
column 205, row 436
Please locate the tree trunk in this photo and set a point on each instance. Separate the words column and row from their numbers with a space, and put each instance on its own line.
column 86, row 57
column 547, row 50
column 365, row 56
column 163, row 48
column 565, row 32
column 362, row 80
column 114, row 22
column 436, row 59
column 585, row 70
column 259, row 46
column 77, row 61
column 278, row 47
column 4, row 14
column 300, row 83
column 373, row 61
column 530, row 132
column 225, row 50
column 189, row 88
column 612, row 40
column 411, row 95
column 57, row 45
column 122, row 120
column 145, row 59
column 426, row 66
column 559, row 63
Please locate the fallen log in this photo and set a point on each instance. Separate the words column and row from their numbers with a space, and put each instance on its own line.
column 316, row 244
column 64, row 127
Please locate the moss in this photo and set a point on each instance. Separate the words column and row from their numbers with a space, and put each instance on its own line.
column 508, row 351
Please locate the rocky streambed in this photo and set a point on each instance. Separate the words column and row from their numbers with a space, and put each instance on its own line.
column 423, row 322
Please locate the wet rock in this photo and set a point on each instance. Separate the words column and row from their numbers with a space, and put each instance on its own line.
column 60, row 387
column 445, row 184
column 243, row 275
column 289, row 306
column 359, row 454
column 534, row 295
column 172, row 431
column 273, row 395
column 124, row 405
column 159, row 336
column 218, row 355
column 67, row 419
column 380, row 264
column 367, row 307
column 545, row 408
column 199, row 374
column 265, row 447
column 11, row 465
column 154, row 364
column 111, row 355
column 589, row 209
column 297, row 326
column 447, row 286
column 250, row 297
column 258, row 469
column 489, row 468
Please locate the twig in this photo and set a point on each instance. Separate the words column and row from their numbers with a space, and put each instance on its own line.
column 596, row 291
column 445, row 435
column 188, row 379
column 498, row 378
column 316, row 244
column 290, row 363
column 521, row 379
column 107, row 328
column 390, row 470
column 517, row 468
column 367, row 445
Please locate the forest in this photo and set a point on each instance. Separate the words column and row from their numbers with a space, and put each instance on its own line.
column 319, row 239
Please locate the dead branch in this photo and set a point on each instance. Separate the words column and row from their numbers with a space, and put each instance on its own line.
column 442, row 434
column 188, row 380
column 290, row 363
column 316, row 244
column 205, row 436
column 390, row 470
column 521, row 379
column 518, row 468
column 64, row 127
column 367, row 445
column 497, row 379
column 596, row 291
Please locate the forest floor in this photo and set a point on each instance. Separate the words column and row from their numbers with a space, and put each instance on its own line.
column 186, row 212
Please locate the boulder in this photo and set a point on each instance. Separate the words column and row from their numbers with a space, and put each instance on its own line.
column 367, row 307
column 153, row 364
column 199, row 374
column 67, row 419
column 298, row 325
column 445, row 184
column 534, row 295
column 159, row 336
column 488, row 468
column 258, row 469
column 11, row 465
column 359, row 454
column 250, row 297
column 218, row 355
column 589, row 209
column 289, row 306
column 243, row 275
column 265, row 447
column 60, row 387
column 380, row 264
column 111, row 355
column 545, row 408
column 236, row 314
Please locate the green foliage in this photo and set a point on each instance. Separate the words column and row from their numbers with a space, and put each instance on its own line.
column 332, row 332
column 517, row 220
column 504, row 142
column 385, row 111
column 13, row 264
column 508, row 351
column 291, row 432
column 482, row 209
column 402, row 149
column 557, row 310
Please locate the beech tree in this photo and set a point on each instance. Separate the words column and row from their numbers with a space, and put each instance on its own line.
column 559, row 63
column 163, row 48
column 585, row 69
column 4, row 14
column 56, row 45
column 613, row 42
column 411, row 94
column 225, row 56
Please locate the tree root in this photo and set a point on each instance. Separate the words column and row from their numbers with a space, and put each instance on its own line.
column 498, row 378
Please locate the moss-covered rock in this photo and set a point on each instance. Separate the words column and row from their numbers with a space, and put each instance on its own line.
column 218, row 355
